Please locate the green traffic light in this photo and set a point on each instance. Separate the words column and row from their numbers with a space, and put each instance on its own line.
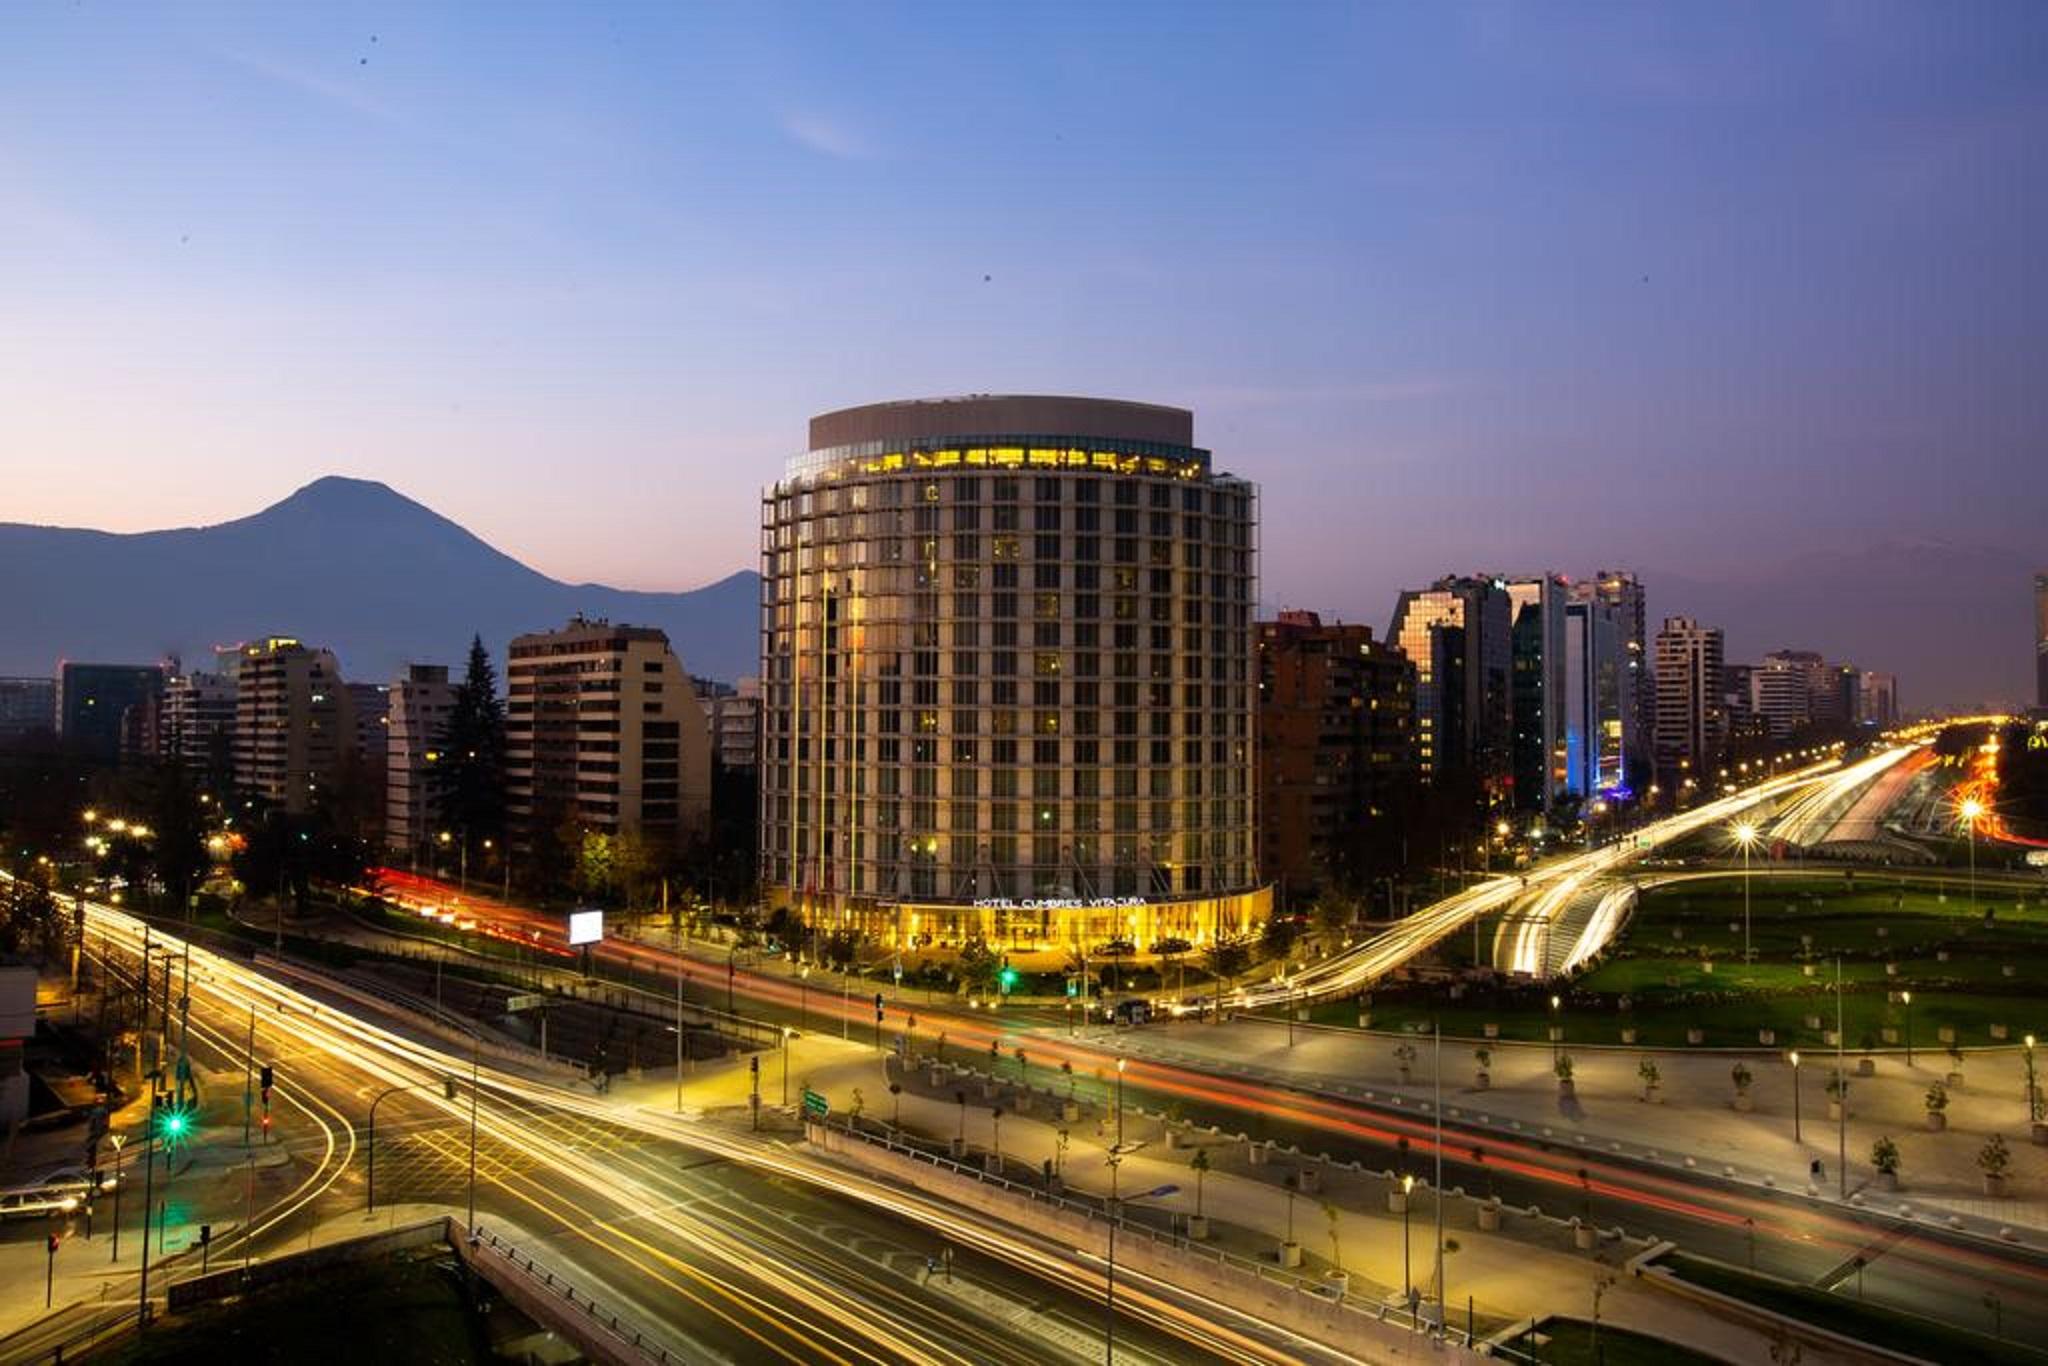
column 1008, row 978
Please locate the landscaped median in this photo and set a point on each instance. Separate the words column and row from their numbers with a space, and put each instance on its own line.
column 1826, row 1319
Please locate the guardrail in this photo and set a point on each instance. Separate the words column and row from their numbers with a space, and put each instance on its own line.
column 600, row 1331
column 1094, row 1213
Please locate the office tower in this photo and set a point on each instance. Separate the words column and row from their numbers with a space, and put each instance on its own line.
column 2041, row 640
column 602, row 731
column 294, row 724
column 1005, row 673
column 1598, row 707
column 1622, row 592
column 1458, row 634
column 1878, row 699
column 1336, row 733
column 1691, row 720
column 91, row 699
column 419, row 705
column 28, row 706
column 1540, row 764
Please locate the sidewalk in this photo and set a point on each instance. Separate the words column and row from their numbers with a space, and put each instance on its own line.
column 1694, row 1118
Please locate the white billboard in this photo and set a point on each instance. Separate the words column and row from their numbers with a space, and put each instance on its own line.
column 586, row 927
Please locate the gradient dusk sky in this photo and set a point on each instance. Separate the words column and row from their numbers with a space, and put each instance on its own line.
column 1462, row 286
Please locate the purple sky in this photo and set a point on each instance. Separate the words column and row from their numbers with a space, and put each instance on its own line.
column 1694, row 288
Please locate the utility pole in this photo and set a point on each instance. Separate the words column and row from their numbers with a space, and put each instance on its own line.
column 1841, row 1080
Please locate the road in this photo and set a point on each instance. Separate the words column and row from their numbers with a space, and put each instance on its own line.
column 736, row 1246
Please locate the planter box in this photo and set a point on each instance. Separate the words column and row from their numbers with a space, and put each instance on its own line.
column 1994, row 1186
column 1941, row 955
column 1743, row 1102
column 1891, row 969
column 1584, row 1236
column 1767, row 1037
column 1565, row 1087
column 1628, row 1036
column 1336, row 1284
column 1954, row 1081
column 1811, row 1022
column 2041, row 1132
column 2000, row 1033
column 1834, row 1109
column 1489, row 1217
column 1490, row 1030
column 1365, row 1019
column 1198, row 1227
column 1290, row 1255
column 1830, row 1037
column 1404, row 1076
column 1556, row 1033
column 1481, row 1080
column 1070, row 1112
column 1866, row 1067
column 1695, row 1036
column 1397, row 1200
column 956, row 1148
column 1309, row 1180
column 1806, row 970
column 1936, row 1121
column 1946, row 1034
column 1652, row 1095
column 1888, row 1181
column 1890, row 1036
column 1258, row 1152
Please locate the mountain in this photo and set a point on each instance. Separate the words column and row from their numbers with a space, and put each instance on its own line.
column 343, row 563
column 1954, row 622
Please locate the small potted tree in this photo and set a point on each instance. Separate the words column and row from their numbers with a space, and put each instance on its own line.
column 1563, row 1068
column 1070, row 1109
column 1884, row 1155
column 1937, row 1105
column 1742, row 1077
column 1198, row 1222
column 1404, row 1056
column 1648, row 1071
column 1482, row 1062
column 1955, row 1067
column 1994, row 1159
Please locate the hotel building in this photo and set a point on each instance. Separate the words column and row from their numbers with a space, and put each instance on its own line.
column 1005, row 672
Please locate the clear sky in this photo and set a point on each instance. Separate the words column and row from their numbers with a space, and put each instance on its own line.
column 1462, row 286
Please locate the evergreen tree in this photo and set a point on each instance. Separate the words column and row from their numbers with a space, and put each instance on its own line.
column 468, row 780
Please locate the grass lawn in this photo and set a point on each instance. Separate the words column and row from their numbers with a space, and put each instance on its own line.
column 1572, row 1343
column 1678, row 966
column 1842, row 1313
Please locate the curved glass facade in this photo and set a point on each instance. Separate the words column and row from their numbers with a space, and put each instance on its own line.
column 1006, row 692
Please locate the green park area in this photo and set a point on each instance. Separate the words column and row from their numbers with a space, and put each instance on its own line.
column 1579, row 1342
column 1915, row 950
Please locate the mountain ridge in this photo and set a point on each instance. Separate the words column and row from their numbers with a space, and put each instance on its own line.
column 349, row 564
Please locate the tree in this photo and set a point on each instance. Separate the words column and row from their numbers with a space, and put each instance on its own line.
column 1227, row 957
column 1200, row 1166
column 978, row 965
column 1994, row 1158
column 178, row 840
column 467, row 778
column 1884, row 1155
column 1280, row 933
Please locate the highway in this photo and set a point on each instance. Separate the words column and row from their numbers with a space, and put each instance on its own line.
column 744, row 1248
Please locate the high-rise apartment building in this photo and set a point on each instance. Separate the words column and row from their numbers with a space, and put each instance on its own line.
column 27, row 706
column 1877, row 698
column 91, row 699
column 1691, row 719
column 1336, row 733
column 1540, row 763
column 1458, row 633
column 733, row 715
column 294, row 723
column 198, row 720
column 1006, row 646
column 602, row 730
column 1599, row 715
column 418, row 717
column 1781, row 690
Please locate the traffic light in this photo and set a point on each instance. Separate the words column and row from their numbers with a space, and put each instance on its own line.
column 266, row 1077
column 1007, row 979
column 754, row 1065
column 53, row 1245
column 878, row 1007
column 448, row 1087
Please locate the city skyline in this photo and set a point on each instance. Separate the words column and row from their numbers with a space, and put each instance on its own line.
column 634, row 296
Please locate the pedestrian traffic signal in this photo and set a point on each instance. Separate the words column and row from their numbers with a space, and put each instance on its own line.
column 878, row 1007
column 266, row 1077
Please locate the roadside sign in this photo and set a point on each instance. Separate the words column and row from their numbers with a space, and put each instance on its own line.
column 814, row 1105
column 585, row 927
column 528, row 1001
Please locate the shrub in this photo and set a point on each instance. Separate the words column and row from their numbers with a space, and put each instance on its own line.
column 1994, row 1157
column 1884, row 1155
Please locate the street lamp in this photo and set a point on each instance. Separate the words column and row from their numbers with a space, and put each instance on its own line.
column 803, row 986
column 1793, row 1058
column 2033, row 1097
column 1972, row 809
column 1745, row 835
column 1407, row 1276
column 1116, row 1215
column 1556, row 1028
column 1906, row 999
column 787, row 1034
column 1120, row 1065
